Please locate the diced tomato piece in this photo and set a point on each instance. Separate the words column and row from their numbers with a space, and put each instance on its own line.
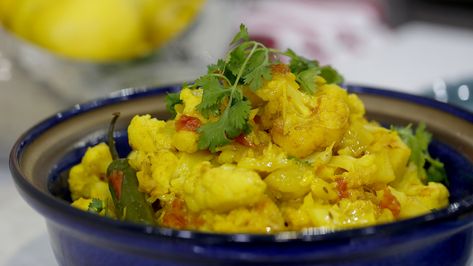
column 342, row 188
column 390, row 202
column 280, row 68
column 188, row 123
column 176, row 215
column 243, row 140
column 257, row 119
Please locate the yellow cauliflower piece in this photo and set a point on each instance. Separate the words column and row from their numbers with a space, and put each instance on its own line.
column 355, row 213
column 97, row 159
column 416, row 198
column 322, row 190
column 190, row 99
column 369, row 169
column 357, row 108
column 295, row 217
column 185, row 167
column 300, row 128
column 222, row 188
column 433, row 195
column 356, row 139
column 264, row 214
column 100, row 191
column 87, row 179
column 271, row 158
column 250, row 156
column 81, row 203
column 185, row 141
column 150, row 134
column 346, row 214
column 357, row 171
column 389, row 142
column 232, row 153
column 154, row 171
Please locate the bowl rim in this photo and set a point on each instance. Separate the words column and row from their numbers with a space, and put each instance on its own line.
column 450, row 213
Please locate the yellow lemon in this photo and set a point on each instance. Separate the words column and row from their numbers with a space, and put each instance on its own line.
column 105, row 30
column 166, row 19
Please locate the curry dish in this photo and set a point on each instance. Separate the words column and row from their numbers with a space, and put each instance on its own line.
column 302, row 159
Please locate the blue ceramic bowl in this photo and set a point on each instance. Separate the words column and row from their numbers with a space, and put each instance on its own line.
column 41, row 157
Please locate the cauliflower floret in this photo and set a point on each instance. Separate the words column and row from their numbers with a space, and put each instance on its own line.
column 357, row 108
column 81, row 203
column 150, row 134
column 264, row 214
column 300, row 123
column 389, row 142
column 85, row 204
column 97, row 159
column 346, row 214
column 271, row 158
column 186, row 141
column 222, row 188
column 154, row 171
column 370, row 169
column 190, row 99
column 356, row 139
column 416, row 198
column 87, row 179
column 356, row 171
column 323, row 191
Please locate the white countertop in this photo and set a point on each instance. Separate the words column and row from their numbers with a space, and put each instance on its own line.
column 24, row 240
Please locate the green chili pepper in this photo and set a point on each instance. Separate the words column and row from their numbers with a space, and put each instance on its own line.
column 130, row 203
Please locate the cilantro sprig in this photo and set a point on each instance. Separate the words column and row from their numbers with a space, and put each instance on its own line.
column 172, row 99
column 307, row 70
column 96, row 206
column 418, row 141
column 247, row 65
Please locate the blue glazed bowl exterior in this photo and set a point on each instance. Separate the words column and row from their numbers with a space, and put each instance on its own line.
column 41, row 156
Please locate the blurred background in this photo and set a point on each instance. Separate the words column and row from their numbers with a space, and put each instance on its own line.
column 54, row 54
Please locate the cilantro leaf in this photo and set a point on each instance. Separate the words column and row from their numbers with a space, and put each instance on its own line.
column 238, row 115
column 418, row 141
column 213, row 94
column 255, row 78
column 436, row 171
column 171, row 100
column 306, row 79
column 219, row 67
column 95, row 206
column 307, row 70
column 237, row 57
column 331, row 75
column 242, row 35
column 258, row 70
column 212, row 135
column 298, row 63
column 232, row 123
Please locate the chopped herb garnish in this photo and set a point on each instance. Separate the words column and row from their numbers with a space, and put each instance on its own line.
column 171, row 100
column 418, row 141
column 96, row 206
column 330, row 75
column 305, row 70
column 247, row 65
